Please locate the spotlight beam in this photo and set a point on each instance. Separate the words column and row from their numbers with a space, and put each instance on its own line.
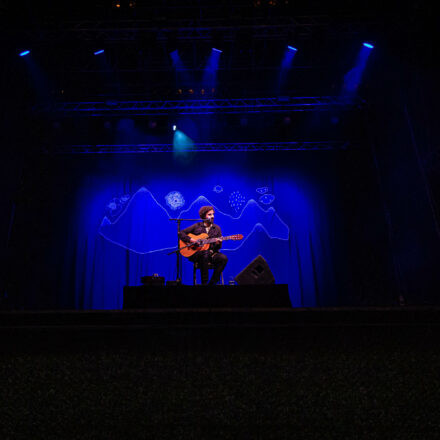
column 353, row 77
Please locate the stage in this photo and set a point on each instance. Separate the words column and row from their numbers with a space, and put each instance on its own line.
column 300, row 139
column 258, row 295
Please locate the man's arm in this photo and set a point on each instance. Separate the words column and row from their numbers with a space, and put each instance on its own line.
column 183, row 234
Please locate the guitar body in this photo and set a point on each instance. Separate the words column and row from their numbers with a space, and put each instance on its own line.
column 189, row 251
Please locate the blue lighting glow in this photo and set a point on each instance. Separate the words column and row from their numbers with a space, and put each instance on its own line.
column 98, row 52
column 182, row 143
column 352, row 78
column 209, row 79
column 183, row 76
column 175, row 57
column 24, row 53
column 286, row 65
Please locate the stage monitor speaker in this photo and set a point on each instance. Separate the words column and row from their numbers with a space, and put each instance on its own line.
column 256, row 272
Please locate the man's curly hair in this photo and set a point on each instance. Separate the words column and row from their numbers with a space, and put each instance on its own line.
column 203, row 210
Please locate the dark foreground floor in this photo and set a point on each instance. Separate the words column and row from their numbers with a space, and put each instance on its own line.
column 371, row 373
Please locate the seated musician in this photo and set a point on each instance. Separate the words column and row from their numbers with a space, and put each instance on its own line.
column 213, row 254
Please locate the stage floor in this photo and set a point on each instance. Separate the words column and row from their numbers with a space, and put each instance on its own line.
column 410, row 316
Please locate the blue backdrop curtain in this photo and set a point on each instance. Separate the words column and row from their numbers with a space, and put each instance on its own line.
column 103, row 221
column 118, row 225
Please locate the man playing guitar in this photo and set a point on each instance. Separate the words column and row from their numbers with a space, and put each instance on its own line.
column 211, row 255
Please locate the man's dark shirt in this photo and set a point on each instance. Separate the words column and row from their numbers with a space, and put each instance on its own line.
column 199, row 228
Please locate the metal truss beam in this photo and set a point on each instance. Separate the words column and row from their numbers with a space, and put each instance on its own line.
column 223, row 147
column 199, row 106
column 267, row 28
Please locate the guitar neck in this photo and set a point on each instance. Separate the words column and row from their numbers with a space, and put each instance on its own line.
column 213, row 240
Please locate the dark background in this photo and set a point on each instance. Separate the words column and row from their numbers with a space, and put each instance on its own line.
column 388, row 179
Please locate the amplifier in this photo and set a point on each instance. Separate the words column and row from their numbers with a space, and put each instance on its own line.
column 153, row 280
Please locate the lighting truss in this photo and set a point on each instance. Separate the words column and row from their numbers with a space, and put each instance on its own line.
column 211, row 147
column 267, row 28
column 197, row 106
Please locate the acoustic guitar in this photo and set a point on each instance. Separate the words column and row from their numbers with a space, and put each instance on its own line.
column 203, row 242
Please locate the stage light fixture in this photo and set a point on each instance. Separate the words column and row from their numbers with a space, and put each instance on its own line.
column 174, row 127
column 217, row 50
column 292, row 48
column 132, row 4
column 117, row 4
column 98, row 52
column 352, row 78
column 24, row 53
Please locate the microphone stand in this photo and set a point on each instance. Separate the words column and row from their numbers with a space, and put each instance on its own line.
column 179, row 265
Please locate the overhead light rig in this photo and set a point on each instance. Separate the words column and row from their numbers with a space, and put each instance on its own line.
column 260, row 28
column 201, row 147
column 197, row 106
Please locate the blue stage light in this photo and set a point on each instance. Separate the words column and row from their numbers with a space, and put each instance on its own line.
column 182, row 143
column 175, row 55
column 24, row 53
column 286, row 65
column 352, row 79
column 209, row 80
column 98, row 52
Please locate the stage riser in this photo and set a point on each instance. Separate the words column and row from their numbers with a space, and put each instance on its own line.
column 144, row 297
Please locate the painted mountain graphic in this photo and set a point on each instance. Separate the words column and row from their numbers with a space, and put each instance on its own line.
column 142, row 227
